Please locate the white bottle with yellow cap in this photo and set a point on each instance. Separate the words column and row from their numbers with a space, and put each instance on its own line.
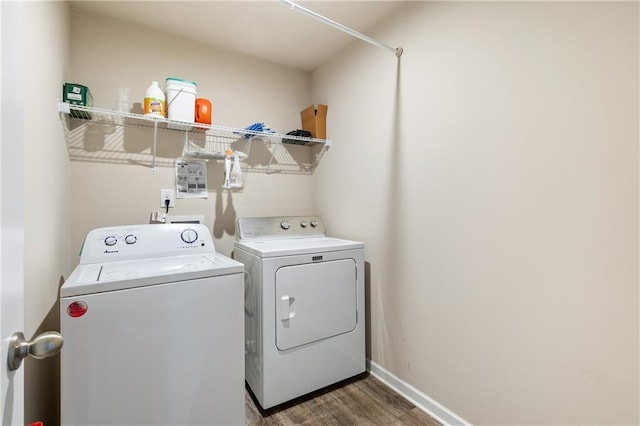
column 154, row 101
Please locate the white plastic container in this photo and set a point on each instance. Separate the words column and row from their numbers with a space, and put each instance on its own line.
column 181, row 99
column 154, row 101
column 235, row 177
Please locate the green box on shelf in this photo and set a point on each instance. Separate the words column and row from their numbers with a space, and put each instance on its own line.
column 77, row 94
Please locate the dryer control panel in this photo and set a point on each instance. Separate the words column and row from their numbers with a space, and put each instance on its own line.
column 145, row 241
column 267, row 228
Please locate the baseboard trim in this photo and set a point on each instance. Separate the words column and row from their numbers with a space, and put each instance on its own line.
column 416, row 397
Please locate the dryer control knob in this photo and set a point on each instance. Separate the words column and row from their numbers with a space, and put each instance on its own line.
column 189, row 236
column 130, row 239
column 304, row 223
column 110, row 241
column 284, row 225
column 314, row 223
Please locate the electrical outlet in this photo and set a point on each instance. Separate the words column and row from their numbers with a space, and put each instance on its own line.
column 167, row 194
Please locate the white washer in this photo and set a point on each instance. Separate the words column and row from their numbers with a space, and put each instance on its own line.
column 304, row 307
column 152, row 324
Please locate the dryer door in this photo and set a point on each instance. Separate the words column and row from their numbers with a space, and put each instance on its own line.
column 315, row 301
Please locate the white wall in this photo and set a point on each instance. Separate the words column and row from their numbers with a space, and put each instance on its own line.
column 493, row 175
column 108, row 53
column 47, row 199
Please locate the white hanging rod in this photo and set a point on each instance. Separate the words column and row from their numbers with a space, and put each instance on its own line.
column 395, row 50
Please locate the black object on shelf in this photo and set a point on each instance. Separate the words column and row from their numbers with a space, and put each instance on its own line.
column 299, row 133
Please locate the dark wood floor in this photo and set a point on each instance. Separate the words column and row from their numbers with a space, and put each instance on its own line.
column 364, row 401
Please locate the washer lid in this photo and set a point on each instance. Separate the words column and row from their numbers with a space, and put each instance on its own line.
column 295, row 246
column 109, row 276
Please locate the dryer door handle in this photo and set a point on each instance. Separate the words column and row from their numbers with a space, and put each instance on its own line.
column 286, row 307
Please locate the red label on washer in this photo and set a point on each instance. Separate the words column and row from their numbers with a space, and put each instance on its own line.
column 77, row 309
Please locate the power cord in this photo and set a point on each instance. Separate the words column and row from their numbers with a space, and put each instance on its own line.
column 166, row 205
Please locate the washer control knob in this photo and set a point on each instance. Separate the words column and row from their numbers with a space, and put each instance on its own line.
column 130, row 239
column 304, row 223
column 314, row 223
column 285, row 225
column 110, row 241
column 189, row 236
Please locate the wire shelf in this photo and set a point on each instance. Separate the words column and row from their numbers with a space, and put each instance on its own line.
column 187, row 140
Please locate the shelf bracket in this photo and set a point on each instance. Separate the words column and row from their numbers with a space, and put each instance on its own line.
column 275, row 146
column 155, row 140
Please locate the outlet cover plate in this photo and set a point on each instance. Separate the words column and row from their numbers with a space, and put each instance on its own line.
column 167, row 193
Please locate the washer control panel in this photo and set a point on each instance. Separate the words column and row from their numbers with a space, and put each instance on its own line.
column 145, row 241
column 261, row 228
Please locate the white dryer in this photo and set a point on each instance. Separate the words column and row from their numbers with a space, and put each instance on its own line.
column 152, row 321
column 304, row 306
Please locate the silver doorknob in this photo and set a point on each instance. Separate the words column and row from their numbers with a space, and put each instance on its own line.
column 43, row 346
